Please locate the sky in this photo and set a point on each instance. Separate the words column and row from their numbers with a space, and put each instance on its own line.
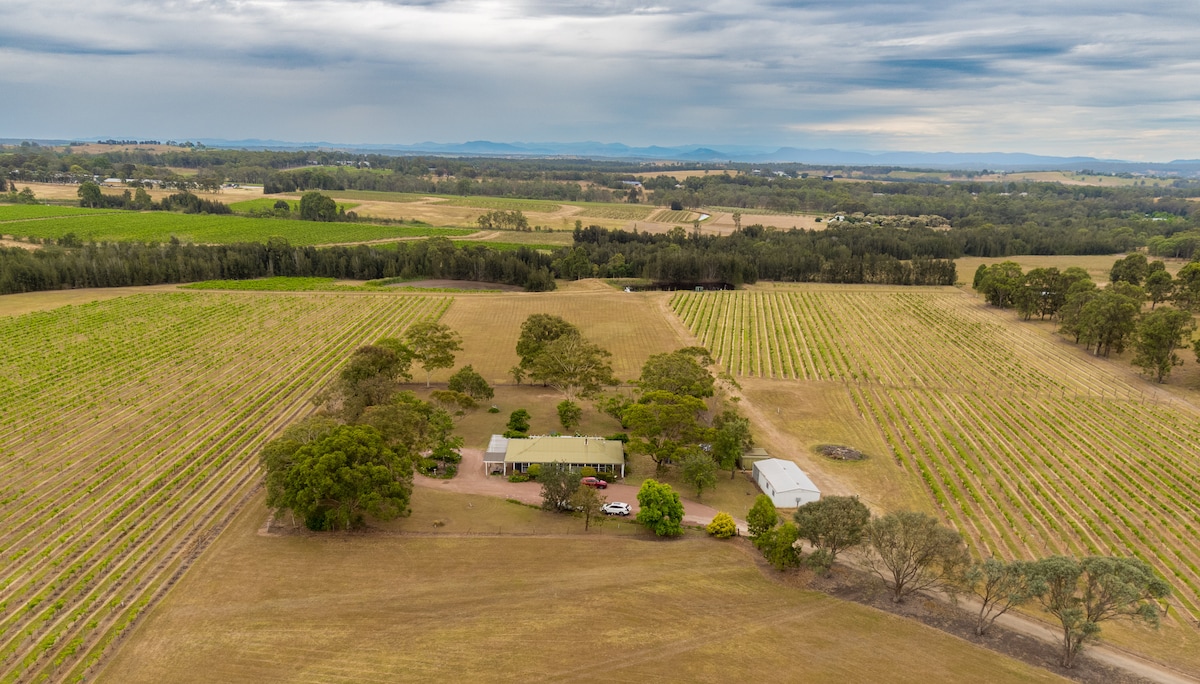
column 1113, row 80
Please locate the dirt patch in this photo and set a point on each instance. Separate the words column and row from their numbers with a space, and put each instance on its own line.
column 841, row 453
column 18, row 243
column 461, row 285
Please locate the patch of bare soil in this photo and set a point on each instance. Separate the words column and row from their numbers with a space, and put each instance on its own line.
column 841, row 453
column 461, row 285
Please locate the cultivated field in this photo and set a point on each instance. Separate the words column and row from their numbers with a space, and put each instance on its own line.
column 1026, row 445
column 88, row 225
column 129, row 434
column 596, row 608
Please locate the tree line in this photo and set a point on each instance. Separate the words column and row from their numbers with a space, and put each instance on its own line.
column 910, row 552
column 1110, row 319
column 118, row 264
column 90, row 196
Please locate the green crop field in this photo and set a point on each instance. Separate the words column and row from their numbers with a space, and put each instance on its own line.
column 268, row 203
column 377, row 196
column 24, row 212
column 212, row 229
column 1028, row 447
column 500, row 203
column 129, row 434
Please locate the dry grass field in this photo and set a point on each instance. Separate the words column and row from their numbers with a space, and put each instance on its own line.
column 63, row 192
column 386, row 608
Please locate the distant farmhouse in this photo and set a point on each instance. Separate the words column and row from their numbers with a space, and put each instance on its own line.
column 515, row 455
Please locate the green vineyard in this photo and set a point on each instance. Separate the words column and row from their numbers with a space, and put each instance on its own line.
column 129, row 431
column 1027, row 447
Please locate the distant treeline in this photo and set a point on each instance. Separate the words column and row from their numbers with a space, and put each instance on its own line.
column 834, row 256
column 745, row 257
column 124, row 264
column 90, row 196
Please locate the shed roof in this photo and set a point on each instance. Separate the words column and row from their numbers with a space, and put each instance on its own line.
column 785, row 476
column 582, row 450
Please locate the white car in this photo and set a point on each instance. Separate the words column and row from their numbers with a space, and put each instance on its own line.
column 616, row 508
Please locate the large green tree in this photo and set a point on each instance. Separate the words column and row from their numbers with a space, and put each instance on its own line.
column 371, row 375
column 763, row 516
column 1081, row 594
column 912, row 551
column 730, row 439
column 558, row 482
column 678, row 372
column 432, row 344
column 335, row 480
column 664, row 426
column 409, row 425
column 660, row 508
column 699, row 470
column 471, row 383
column 573, row 366
column 831, row 524
column 1158, row 335
column 89, row 194
column 317, row 207
column 536, row 331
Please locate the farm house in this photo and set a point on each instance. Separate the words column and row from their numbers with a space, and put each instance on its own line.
column 785, row 483
column 517, row 454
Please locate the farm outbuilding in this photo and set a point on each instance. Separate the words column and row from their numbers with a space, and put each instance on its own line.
column 785, row 483
column 752, row 456
column 517, row 454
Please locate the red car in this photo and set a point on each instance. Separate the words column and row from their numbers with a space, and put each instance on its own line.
column 594, row 482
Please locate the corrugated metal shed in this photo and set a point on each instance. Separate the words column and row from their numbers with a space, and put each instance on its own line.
column 785, row 483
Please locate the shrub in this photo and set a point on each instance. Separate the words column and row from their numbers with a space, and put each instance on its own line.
column 534, row 471
column 427, row 465
column 722, row 526
column 622, row 437
column 587, row 471
column 518, row 477
column 762, row 516
column 494, row 409
column 513, row 434
column 778, row 546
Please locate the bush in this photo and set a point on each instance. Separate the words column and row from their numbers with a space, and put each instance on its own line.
column 427, row 465
column 778, row 546
column 494, row 409
column 722, row 526
column 762, row 517
column 587, row 471
column 518, row 477
column 622, row 437
column 534, row 471
column 513, row 434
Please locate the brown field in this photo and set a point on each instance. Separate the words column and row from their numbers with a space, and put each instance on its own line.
column 1071, row 178
column 629, row 325
column 380, row 607
column 693, row 173
column 63, row 191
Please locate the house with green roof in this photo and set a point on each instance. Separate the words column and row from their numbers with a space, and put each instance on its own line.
column 515, row 455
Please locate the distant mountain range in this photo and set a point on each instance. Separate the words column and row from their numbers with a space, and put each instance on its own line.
column 999, row 161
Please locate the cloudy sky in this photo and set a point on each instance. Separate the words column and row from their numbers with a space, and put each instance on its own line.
column 1064, row 77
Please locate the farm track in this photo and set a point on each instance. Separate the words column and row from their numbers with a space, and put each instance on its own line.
column 212, row 377
column 1026, row 446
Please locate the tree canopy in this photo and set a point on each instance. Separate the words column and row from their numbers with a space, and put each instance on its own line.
column 664, row 426
column 336, row 479
column 678, row 372
column 432, row 344
column 660, row 508
column 573, row 366
column 912, row 551
column 831, row 524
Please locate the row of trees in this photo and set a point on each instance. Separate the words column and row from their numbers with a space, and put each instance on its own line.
column 912, row 552
column 500, row 219
column 1108, row 319
column 90, row 196
column 129, row 263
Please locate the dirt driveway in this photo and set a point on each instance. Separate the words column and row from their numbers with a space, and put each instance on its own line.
column 472, row 480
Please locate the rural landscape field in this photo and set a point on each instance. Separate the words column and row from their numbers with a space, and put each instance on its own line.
column 140, row 546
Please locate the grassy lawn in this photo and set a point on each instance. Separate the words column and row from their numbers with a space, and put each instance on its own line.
column 377, row 607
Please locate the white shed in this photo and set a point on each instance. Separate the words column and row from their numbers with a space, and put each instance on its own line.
column 785, row 483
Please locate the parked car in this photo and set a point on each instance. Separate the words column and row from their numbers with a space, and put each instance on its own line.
column 594, row 482
column 615, row 508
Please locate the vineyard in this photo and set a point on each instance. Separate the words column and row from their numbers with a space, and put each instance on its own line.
column 621, row 212
column 500, row 204
column 668, row 216
column 1027, row 447
column 268, row 204
column 211, row 229
column 128, row 439
column 24, row 212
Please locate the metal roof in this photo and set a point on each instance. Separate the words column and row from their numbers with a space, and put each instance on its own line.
column 582, row 450
column 785, row 476
column 496, row 449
